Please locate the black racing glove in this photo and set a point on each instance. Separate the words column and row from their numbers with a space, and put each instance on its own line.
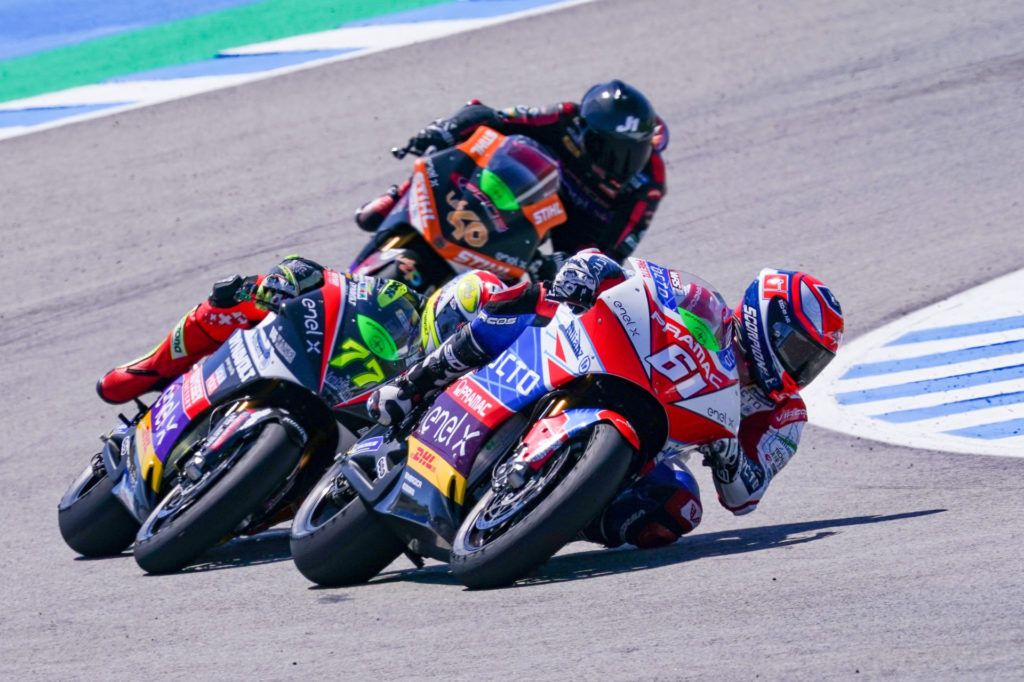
column 434, row 136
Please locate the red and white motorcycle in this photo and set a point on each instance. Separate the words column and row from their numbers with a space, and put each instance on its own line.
column 509, row 463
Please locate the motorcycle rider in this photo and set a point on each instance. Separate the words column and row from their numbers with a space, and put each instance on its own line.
column 612, row 172
column 785, row 330
column 243, row 302
column 609, row 146
column 235, row 303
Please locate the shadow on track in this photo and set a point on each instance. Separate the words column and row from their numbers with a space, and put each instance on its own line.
column 595, row 564
column 272, row 546
column 601, row 562
column 265, row 548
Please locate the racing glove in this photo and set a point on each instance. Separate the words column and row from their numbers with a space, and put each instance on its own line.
column 579, row 279
column 434, row 136
column 723, row 457
column 390, row 403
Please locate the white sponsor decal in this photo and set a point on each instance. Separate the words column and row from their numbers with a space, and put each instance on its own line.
column 240, row 356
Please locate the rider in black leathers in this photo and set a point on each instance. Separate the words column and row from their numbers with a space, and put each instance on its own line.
column 612, row 173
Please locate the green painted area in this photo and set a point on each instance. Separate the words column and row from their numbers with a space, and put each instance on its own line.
column 184, row 41
column 700, row 330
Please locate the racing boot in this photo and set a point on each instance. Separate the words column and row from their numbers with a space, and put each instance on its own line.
column 371, row 214
column 197, row 334
column 458, row 355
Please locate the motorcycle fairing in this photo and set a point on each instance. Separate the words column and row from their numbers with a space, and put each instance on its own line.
column 548, row 434
column 246, row 356
column 434, row 469
column 544, row 215
column 265, row 352
column 433, row 207
column 568, row 350
column 660, row 352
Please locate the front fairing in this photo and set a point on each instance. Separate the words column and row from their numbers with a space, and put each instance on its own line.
column 161, row 436
column 695, row 380
column 466, row 233
column 313, row 342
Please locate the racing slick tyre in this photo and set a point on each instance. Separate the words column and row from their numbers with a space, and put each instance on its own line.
column 92, row 521
column 336, row 539
column 194, row 517
column 510, row 531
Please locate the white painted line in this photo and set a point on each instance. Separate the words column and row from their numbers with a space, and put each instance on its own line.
column 994, row 383
column 365, row 40
column 380, row 37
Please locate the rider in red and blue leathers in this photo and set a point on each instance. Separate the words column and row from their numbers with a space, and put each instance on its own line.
column 786, row 330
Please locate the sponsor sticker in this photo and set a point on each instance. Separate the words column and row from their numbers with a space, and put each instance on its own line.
column 662, row 286
column 368, row 445
column 240, row 357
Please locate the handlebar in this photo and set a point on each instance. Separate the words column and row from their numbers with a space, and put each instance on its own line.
column 401, row 152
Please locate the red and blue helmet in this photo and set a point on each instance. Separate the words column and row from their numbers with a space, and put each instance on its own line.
column 789, row 326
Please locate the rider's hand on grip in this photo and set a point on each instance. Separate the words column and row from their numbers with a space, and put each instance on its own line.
column 434, row 136
column 575, row 284
column 389, row 404
column 723, row 457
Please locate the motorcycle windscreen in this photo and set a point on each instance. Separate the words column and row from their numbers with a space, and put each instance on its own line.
column 487, row 203
column 378, row 338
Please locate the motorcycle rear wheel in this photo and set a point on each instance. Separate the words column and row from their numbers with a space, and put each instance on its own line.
column 338, row 542
column 190, row 520
column 495, row 547
column 92, row 521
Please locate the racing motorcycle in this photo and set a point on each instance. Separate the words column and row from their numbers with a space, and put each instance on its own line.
column 486, row 204
column 232, row 446
column 510, row 462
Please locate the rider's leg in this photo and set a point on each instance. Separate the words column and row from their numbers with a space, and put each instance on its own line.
column 197, row 334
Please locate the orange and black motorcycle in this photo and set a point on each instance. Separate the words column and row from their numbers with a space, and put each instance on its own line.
column 485, row 204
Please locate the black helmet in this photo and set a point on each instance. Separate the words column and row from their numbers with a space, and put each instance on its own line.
column 617, row 126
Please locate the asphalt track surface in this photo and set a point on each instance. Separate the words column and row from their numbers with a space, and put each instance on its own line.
column 876, row 144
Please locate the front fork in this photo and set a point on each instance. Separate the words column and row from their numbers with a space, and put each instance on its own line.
column 548, row 434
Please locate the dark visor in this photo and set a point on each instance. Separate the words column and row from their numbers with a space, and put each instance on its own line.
column 802, row 357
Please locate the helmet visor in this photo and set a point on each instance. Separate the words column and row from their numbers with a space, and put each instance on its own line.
column 801, row 356
column 619, row 157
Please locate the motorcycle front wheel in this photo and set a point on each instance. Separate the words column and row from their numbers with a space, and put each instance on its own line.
column 92, row 521
column 196, row 516
column 509, row 532
column 336, row 539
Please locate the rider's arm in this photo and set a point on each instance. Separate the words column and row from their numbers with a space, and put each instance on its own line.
column 635, row 216
column 531, row 121
column 507, row 314
column 767, row 441
column 447, row 132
